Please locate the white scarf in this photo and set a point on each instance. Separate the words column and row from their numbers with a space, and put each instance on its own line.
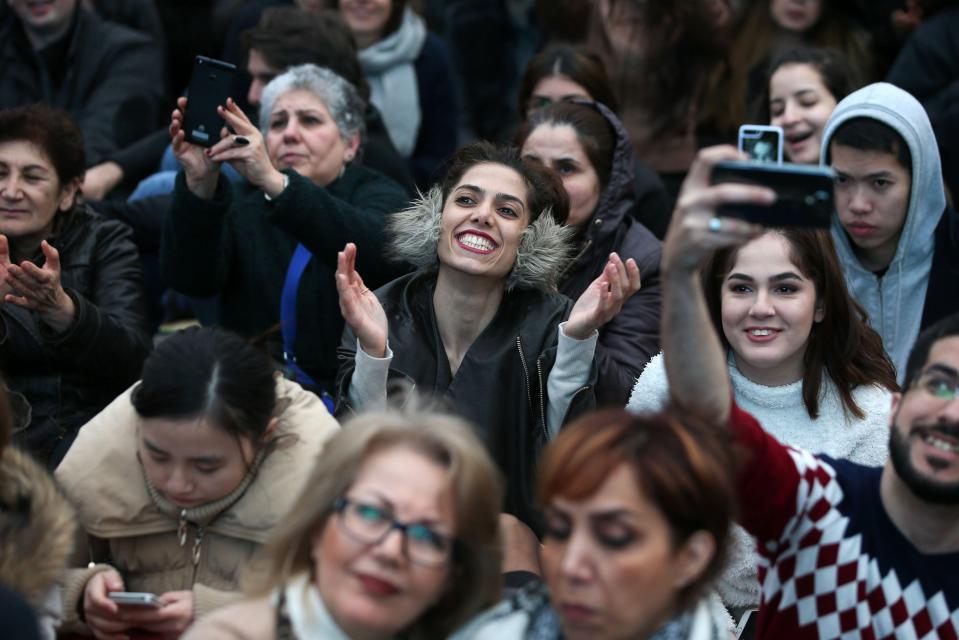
column 308, row 614
column 388, row 65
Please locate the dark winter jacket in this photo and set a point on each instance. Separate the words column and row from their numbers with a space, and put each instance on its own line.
column 628, row 341
column 112, row 85
column 500, row 386
column 239, row 245
column 942, row 292
column 68, row 377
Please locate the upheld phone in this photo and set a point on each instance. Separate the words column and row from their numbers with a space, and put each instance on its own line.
column 135, row 599
column 209, row 88
column 804, row 193
column 762, row 143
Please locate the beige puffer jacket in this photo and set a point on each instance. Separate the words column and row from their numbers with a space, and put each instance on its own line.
column 127, row 531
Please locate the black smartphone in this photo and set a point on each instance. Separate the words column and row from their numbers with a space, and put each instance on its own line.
column 209, row 88
column 804, row 193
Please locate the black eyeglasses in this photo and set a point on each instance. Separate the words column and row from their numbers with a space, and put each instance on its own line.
column 939, row 385
column 370, row 524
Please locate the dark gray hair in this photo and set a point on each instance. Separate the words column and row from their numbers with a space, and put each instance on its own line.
column 339, row 96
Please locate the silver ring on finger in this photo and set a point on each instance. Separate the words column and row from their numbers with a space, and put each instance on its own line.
column 715, row 225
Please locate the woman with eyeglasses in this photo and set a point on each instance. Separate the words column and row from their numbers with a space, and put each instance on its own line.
column 395, row 534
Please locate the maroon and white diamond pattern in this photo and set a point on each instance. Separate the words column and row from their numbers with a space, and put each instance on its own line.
column 832, row 584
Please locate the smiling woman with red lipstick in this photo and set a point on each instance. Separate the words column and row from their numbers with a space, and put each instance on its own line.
column 479, row 322
column 637, row 512
column 394, row 535
column 800, row 354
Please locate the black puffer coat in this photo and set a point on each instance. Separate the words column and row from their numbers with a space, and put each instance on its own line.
column 499, row 387
column 628, row 341
column 68, row 377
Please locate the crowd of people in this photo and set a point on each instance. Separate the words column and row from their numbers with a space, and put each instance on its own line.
column 449, row 332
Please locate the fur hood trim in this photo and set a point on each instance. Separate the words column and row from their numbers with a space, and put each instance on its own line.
column 544, row 251
column 37, row 527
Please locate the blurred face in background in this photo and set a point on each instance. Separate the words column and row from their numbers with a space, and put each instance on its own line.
column 555, row 88
column 800, row 103
column 261, row 72
column 366, row 19
column 798, row 16
column 44, row 17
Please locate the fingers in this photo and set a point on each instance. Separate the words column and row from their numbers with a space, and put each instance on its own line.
column 701, row 170
column 4, row 251
column 52, row 256
column 234, row 116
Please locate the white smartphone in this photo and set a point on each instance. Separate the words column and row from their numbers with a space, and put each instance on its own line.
column 762, row 143
column 135, row 599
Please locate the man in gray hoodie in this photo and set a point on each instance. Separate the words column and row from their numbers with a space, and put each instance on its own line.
column 896, row 238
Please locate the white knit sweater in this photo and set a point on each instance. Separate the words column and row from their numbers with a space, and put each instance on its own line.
column 782, row 413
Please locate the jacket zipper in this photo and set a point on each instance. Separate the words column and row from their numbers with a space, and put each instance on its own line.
column 542, row 394
column 522, row 359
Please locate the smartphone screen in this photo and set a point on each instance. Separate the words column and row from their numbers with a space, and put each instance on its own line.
column 761, row 143
column 209, row 88
column 136, row 599
column 804, row 193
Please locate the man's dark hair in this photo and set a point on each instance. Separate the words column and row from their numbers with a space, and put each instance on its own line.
column 869, row 134
column 288, row 36
column 918, row 357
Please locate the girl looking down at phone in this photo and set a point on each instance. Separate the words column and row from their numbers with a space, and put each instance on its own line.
column 479, row 323
column 803, row 87
column 586, row 145
column 181, row 479
column 801, row 355
column 268, row 248
column 394, row 536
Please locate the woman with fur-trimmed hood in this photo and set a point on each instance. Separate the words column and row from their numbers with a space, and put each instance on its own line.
column 479, row 322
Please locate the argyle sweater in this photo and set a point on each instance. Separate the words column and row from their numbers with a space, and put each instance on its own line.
column 832, row 563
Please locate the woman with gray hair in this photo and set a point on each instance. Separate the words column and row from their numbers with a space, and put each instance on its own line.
column 480, row 322
column 268, row 248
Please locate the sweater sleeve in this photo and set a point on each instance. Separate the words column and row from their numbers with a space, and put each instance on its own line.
column 207, row 599
column 368, row 384
column 196, row 246
column 651, row 391
column 74, row 583
column 324, row 223
column 570, row 373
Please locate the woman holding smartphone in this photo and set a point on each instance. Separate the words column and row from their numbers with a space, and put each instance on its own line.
column 801, row 356
column 803, row 86
column 181, row 479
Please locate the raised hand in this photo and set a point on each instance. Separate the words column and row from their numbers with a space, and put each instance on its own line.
column 39, row 289
column 695, row 230
column 360, row 308
column 603, row 298
column 200, row 169
column 246, row 151
column 5, row 265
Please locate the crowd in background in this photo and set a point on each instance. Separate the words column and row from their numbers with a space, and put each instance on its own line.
column 447, row 332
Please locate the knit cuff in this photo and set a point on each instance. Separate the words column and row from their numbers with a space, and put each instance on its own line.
column 74, row 584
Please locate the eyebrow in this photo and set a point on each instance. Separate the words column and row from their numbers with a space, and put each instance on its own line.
column 29, row 167
column 372, row 493
column 942, row 368
column 200, row 459
column 499, row 196
column 779, row 277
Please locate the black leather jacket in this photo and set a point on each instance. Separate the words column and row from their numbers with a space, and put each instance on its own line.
column 68, row 377
column 500, row 386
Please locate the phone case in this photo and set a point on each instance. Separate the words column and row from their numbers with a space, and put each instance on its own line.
column 209, row 88
column 762, row 143
column 804, row 193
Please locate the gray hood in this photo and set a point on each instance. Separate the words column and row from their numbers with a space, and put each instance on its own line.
column 895, row 302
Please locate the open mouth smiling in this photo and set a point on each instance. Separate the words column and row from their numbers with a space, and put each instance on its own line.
column 476, row 242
